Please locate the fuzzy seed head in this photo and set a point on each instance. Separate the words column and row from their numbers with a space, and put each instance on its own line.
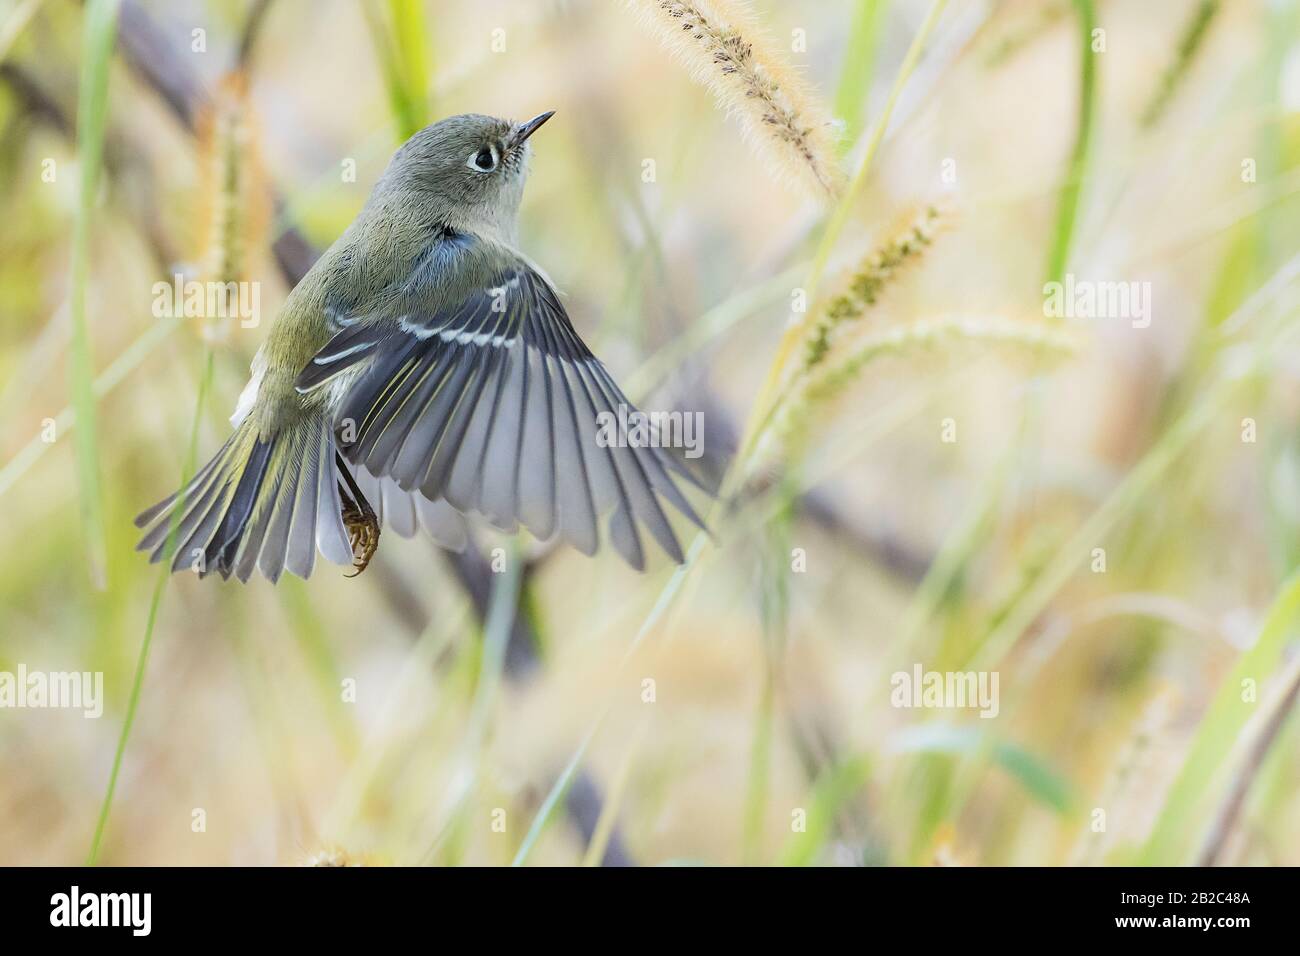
column 724, row 49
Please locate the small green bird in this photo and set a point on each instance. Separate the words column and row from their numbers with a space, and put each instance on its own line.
column 422, row 371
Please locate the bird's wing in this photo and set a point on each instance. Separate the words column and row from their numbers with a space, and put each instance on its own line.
column 491, row 402
column 405, row 512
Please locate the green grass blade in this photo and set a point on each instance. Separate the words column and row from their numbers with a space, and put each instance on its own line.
column 844, row 208
column 412, row 60
column 1038, row 779
column 833, row 790
column 608, row 819
column 1249, row 771
column 142, row 661
column 99, row 31
column 552, row 801
column 775, row 633
column 1171, row 840
column 859, row 65
column 1189, row 43
column 402, row 49
column 1067, row 209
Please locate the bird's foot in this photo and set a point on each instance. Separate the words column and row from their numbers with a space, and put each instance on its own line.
column 359, row 519
column 363, row 533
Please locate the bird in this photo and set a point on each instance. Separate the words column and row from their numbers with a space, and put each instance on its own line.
column 423, row 372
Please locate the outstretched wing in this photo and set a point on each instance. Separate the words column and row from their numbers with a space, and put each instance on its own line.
column 491, row 402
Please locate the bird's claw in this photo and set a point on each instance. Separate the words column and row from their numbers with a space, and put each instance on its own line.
column 363, row 534
column 359, row 519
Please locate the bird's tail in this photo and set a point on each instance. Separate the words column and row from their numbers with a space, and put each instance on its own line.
column 264, row 501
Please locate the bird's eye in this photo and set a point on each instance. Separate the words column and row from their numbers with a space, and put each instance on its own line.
column 483, row 161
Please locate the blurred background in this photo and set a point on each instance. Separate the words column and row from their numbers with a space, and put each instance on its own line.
column 1105, row 514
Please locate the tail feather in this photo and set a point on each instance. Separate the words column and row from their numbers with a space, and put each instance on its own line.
column 301, row 555
column 225, row 541
column 201, row 488
column 147, row 517
column 196, row 529
column 199, row 496
column 255, row 535
column 261, row 502
column 271, row 557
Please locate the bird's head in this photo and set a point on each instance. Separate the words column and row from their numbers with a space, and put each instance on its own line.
column 467, row 170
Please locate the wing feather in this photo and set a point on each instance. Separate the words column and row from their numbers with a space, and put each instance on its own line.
column 486, row 401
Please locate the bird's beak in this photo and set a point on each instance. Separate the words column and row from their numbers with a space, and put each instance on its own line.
column 525, row 130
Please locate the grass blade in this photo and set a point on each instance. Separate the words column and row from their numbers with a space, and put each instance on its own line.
column 401, row 46
column 859, row 64
column 1223, row 723
column 1271, row 721
column 99, row 32
column 1037, row 778
column 142, row 661
column 1068, row 203
column 609, row 813
column 833, row 790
